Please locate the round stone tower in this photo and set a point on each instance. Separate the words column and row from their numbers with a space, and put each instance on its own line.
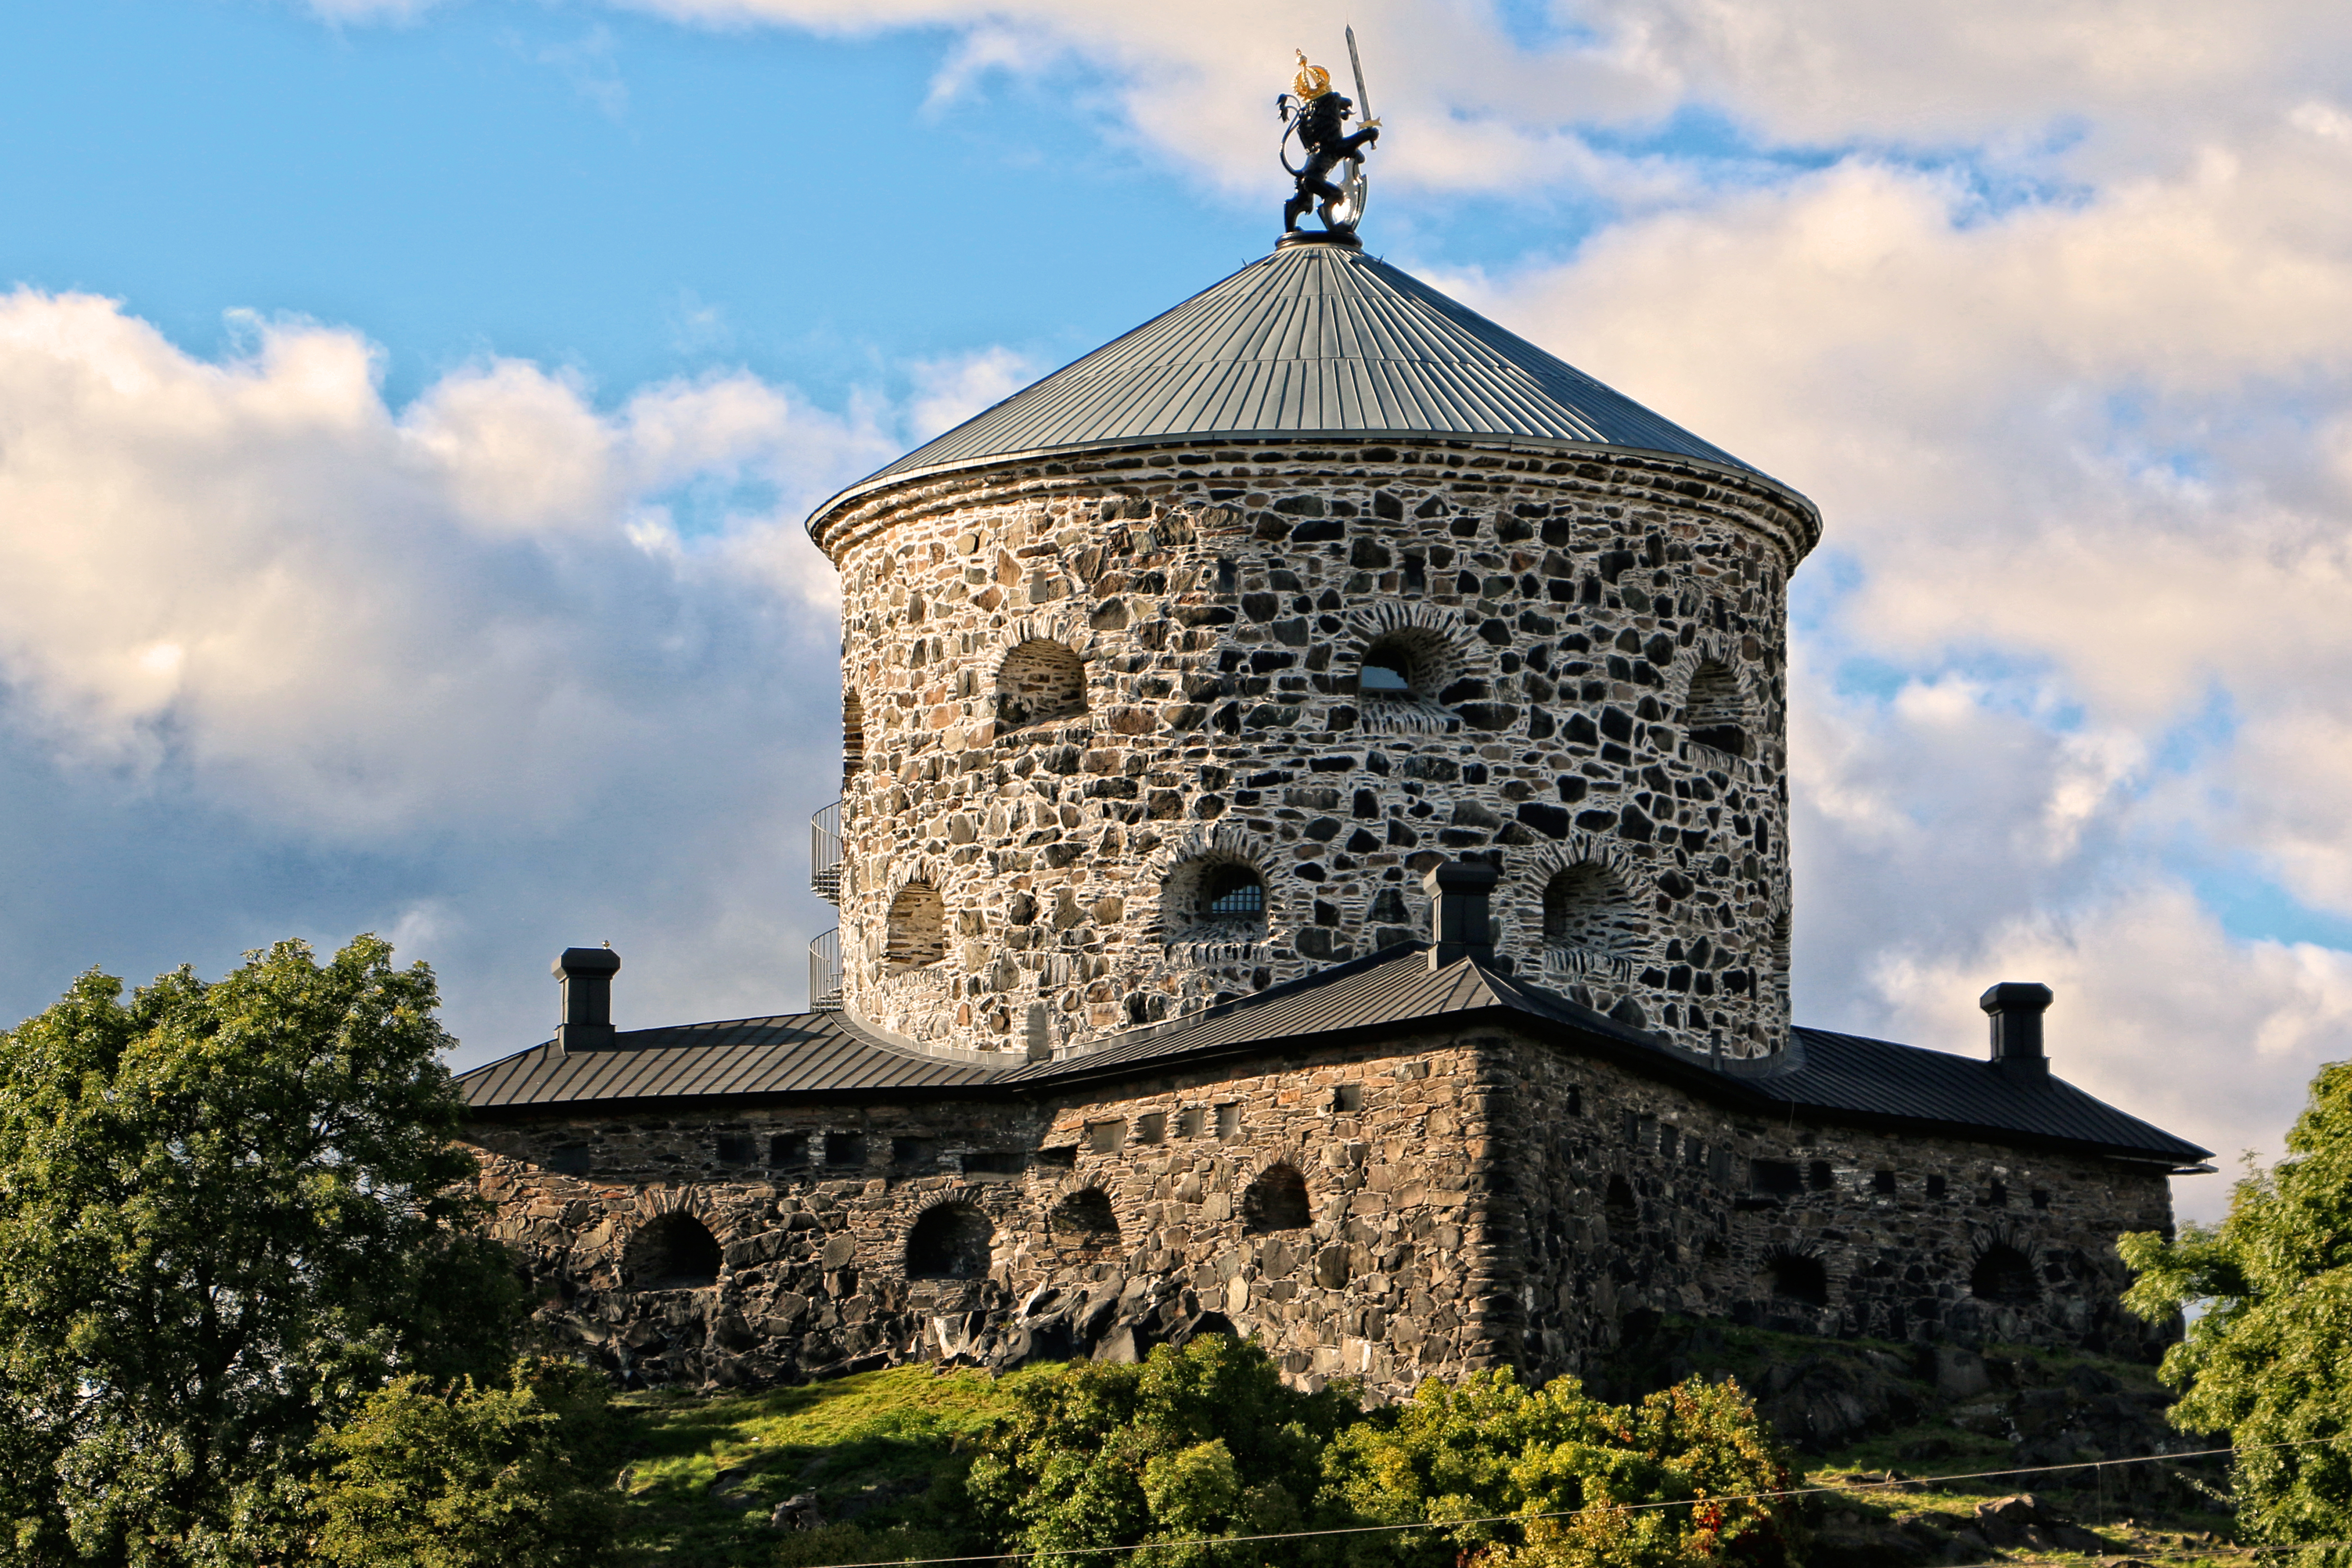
column 1166, row 678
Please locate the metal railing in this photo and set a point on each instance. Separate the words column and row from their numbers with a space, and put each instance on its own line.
column 825, row 853
column 824, row 973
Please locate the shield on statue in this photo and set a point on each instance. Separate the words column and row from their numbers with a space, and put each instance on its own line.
column 1349, row 210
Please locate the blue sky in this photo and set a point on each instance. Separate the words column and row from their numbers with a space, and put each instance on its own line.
column 407, row 411
column 601, row 191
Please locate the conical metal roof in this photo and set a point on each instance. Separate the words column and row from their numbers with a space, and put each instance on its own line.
column 1315, row 339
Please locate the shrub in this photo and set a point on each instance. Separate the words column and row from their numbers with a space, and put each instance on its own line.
column 1201, row 1442
column 1488, row 1449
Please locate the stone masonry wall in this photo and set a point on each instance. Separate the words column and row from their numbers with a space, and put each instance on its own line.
column 1629, row 1196
column 1469, row 1200
column 1382, row 1276
column 1552, row 609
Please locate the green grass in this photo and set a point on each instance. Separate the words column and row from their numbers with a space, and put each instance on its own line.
column 884, row 1451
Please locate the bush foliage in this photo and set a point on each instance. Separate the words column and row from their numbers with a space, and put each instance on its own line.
column 1204, row 1442
column 2269, row 1361
column 1556, row 1478
column 1195, row 1452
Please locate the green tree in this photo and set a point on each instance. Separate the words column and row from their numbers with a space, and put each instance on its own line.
column 517, row 1475
column 227, row 1212
column 1201, row 1442
column 2269, row 1361
column 1487, row 1450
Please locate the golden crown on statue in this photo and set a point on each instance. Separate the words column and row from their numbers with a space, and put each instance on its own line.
column 1312, row 82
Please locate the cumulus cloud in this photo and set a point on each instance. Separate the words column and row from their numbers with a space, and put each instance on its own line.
column 2078, row 618
column 2219, row 1051
column 336, row 613
column 1947, row 840
column 456, row 670
column 1483, row 105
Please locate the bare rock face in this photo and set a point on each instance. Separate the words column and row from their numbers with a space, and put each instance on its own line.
column 2025, row 1521
column 1132, row 735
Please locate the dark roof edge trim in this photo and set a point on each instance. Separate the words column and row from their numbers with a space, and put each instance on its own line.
column 1733, row 472
column 1744, row 1093
column 894, row 1095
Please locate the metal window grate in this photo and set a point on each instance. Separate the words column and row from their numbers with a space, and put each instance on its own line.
column 1233, row 892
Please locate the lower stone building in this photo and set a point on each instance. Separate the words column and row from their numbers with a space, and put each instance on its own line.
column 1407, row 1165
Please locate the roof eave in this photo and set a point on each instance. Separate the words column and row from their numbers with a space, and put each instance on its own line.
column 1660, row 1061
column 1734, row 472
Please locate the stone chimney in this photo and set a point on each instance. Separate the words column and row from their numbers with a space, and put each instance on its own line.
column 1459, row 925
column 2016, row 1008
column 587, row 1018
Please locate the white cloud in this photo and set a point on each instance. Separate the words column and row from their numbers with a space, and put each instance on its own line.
column 2080, row 84
column 275, row 654
column 2158, row 1011
column 338, row 616
column 950, row 390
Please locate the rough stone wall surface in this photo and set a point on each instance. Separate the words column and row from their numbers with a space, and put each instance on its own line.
column 1630, row 1196
column 1388, row 1278
column 1459, row 1213
column 1553, row 608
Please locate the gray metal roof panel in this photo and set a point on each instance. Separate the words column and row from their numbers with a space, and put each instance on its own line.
column 1855, row 1073
column 806, row 1053
column 1839, row 1074
column 826, row 1054
column 1314, row 340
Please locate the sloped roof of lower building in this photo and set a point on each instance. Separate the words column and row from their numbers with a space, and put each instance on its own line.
column 829, row 1057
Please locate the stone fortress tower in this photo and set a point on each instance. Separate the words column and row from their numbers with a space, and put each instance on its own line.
column 1313, row 865
column 1166, row 679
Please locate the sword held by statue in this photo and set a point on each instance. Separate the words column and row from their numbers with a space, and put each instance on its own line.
column 1356, row 63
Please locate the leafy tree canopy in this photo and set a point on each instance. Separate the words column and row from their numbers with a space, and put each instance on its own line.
column 515, row 1475
column 2269, row 1360
column 1486, row 1448
column 227, row 1212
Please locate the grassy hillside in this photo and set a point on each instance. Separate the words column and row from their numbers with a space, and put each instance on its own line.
column 884, row 1454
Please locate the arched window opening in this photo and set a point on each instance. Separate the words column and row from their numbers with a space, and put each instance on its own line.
column 1403, row 665
column 2006, row 1276
column 1277, row 1201
column 853, row 738
column 672, row 1252
column 949, row 1242
column 1083, row 1226
column 1715, row 714
column 918, row 930
column 1387, row 671
column 1800, row 1279
column 1214, row 900
column 1040, row 682
column 1585, row 907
